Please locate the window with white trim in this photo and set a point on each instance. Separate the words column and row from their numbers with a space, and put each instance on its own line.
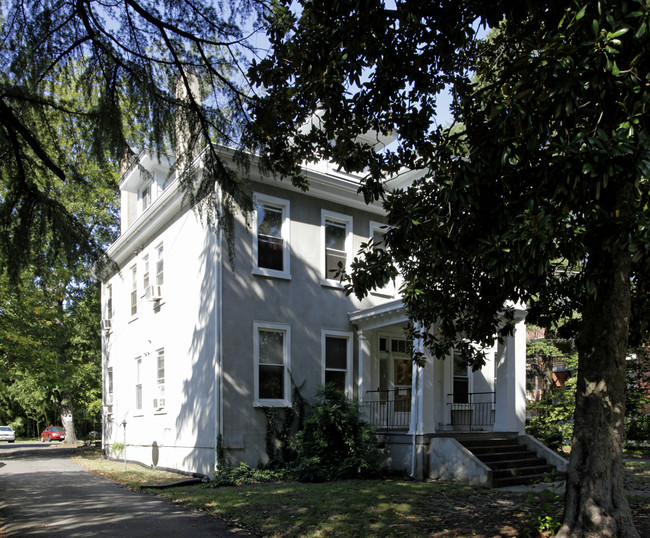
column 145, row 196
column 337, row 245
column 271, row 251
column 134, row 290
column 337, row 360
column 108, row 305
column 159, row 400
column 109, row 387
column 378, row 236
column 145, row 272
column 271, row 350
column 138, row 383
column 160, row 280
column 461, row 379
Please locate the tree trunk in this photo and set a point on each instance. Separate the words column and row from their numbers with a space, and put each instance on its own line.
column 595, row 503
column 67, row 420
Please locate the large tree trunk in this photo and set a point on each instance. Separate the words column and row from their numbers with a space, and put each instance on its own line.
column 595, row 504
column 67, row 420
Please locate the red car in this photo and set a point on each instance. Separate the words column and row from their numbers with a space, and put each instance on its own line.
column 51, row 433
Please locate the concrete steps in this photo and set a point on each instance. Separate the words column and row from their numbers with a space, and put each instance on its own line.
column 512, row 463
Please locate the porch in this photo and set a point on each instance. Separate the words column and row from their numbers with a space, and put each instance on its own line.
column 390, row 410
column 412, row 405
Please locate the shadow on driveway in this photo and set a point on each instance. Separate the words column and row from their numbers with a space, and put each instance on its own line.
column 42, row 492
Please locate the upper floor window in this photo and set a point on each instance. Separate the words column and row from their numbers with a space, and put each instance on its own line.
column 271, row 242
column 145, row 196
column 134, row 290
column 337, row 245
column 108, row 314
column 159, row 265
column 337, row 360
column 378, row 236
column 145, row 275
column 272, row 362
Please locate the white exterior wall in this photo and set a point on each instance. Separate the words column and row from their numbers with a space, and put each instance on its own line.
column 182, row 324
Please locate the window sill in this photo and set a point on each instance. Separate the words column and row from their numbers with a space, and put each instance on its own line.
column 133, row 318
column 271, row 403
column 138, row 415
column 332, row 284
column 160, row 412
column 269, row 273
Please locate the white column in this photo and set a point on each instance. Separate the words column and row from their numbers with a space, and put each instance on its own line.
column 422, row 395
column 365, row 367
column 511, row 382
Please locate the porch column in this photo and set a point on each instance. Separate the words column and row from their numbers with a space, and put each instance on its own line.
column 422, row 419
column 510, row 412
column 365, row 376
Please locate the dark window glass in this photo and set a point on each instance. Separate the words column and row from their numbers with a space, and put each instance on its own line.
column 270, row 245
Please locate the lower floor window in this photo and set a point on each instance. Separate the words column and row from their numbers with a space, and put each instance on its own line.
column 271, row 352
column 337, row 356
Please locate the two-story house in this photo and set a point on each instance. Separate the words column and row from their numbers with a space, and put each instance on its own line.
column 196, row 348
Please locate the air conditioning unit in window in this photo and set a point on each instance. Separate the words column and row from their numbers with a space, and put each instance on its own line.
column 154, row 293
column 158, row 403
column 106, row 324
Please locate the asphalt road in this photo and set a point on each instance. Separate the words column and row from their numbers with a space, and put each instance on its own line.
column 42, row 492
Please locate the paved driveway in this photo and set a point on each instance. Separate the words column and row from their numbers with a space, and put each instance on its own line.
column 42, row 492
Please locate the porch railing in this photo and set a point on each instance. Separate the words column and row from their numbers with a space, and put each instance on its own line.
column 388, row 409
column 472, row 410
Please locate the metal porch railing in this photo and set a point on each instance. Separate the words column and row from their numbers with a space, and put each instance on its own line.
column 473, row 410
column 388, row 409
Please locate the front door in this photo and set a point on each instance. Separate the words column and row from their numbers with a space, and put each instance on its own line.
column 395, row 367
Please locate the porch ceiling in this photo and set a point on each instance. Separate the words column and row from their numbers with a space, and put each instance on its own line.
column 384, row 315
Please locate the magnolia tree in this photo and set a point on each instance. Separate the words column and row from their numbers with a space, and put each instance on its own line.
column 539, row 194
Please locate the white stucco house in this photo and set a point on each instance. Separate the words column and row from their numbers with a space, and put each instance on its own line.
column 194, row 349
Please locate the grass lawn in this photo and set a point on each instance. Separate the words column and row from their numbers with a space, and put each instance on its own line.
column 370, row 507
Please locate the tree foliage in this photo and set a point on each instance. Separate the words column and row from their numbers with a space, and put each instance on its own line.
column 542, row 197
column 122, row 65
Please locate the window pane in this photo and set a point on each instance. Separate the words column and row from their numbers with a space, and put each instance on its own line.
column 378, row 239
column 271, row 348
column 269, row 220
column 159, row 267
column 335, row 233
column 145, row 277
column 271, row 382
column 398, row 346
column 336, row 378
column 332, row 259
column 402, row 371
column 269, row 252
column 460, row 367
column 461, row 390
column 336, row 351
column 270, row 244
column 138, row 396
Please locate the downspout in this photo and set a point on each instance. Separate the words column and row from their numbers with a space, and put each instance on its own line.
column 218, row 347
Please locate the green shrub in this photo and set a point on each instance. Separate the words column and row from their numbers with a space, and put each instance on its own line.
column 334, row 442
column 638, row 428
column 245, row 474
column 117, row 449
